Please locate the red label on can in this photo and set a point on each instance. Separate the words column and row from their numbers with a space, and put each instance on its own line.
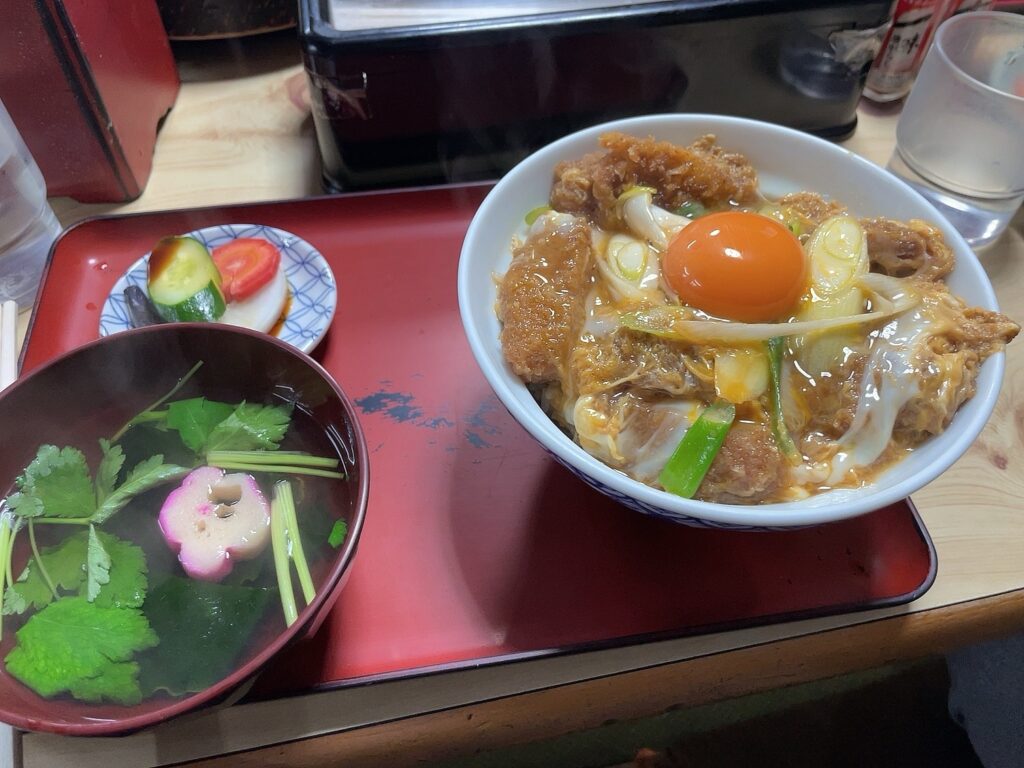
column 904, row 45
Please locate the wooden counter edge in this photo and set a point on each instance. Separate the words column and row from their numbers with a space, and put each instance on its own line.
column 646, row 692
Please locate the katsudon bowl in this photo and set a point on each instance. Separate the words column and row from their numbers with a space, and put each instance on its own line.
column 786, row 161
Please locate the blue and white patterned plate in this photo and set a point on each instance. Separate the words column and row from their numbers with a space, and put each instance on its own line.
column 314, row 294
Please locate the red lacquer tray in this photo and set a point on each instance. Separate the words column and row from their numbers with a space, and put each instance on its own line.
column 477, row 546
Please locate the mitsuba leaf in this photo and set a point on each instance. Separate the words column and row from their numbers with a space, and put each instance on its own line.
column 119, row 683
column 204, row 629
column 143, row 441
column 14, row 602
column 66, row 563
column 196, row 418
column 251, row 427
column 127, row 583
column 84, row 649
column 97, row 565
column 110, row 468
column 338, row 533
column 55, row 484
column 147, row 474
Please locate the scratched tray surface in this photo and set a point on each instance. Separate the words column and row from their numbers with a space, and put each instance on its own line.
column 477, row 546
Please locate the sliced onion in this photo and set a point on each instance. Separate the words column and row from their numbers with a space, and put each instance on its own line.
column 636, row 210
column 838, row 251
column 741, row 373
column 628, row 255
column 629, row 271
column 636, row 189
column 648, row 221
column 890, row 296
column 669, row 222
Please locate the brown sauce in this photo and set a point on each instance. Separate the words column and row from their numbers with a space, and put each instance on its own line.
column 285, row 309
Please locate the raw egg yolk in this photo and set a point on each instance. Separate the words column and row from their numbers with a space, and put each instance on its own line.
column 738, row 266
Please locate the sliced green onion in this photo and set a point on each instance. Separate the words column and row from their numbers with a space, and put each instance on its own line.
column 690, row 461
column 629, row 256
column 691, row 209
column 783, row 215
column 535, row 213
column 635, row 190
column 283, row 496
column 279, row 543
column 779, row 431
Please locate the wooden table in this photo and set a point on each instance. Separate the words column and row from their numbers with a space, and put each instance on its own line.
column 246, row 136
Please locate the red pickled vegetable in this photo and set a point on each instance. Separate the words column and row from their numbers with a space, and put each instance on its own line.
column 246, row 264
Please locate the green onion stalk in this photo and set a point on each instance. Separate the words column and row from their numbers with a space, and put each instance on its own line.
column 284, row 462
column 782, row 437
column 283, row 490
column 279, row 543
column 148, row 414
column 691, row 460
column 287, row 546
column 8, row 532
column 39, row 560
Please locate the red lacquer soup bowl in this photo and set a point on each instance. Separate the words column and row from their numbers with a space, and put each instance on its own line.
column 89, row 394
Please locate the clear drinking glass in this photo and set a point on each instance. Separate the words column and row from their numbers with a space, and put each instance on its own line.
column 960, row 138
column 27, row 224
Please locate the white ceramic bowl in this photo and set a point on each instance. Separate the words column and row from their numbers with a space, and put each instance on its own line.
column 786, row 161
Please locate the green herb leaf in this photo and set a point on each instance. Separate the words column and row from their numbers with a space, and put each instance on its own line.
column 338, row 534
column 14, row 601
column 221, row 619
column 55, row 484
column 110, row 468
column 196, row 418
column 84, row 649
column 151, row 414
column 118, row 682
column 97, row 566
column 126, row 587
column 251, row 427
column 147, row 474
column 67, row 565
column 144, row 440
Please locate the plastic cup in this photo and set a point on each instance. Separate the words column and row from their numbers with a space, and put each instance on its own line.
column 27, row 224
column 960, row 138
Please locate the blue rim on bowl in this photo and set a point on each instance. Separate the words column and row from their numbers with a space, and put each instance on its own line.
column 311, row 284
